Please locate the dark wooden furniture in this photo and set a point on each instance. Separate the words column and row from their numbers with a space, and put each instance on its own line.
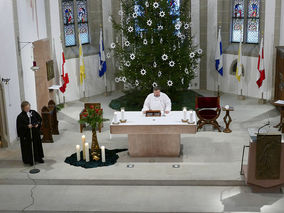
column 208, row 111
column 86, row 106
column 54, row 121
column 46, row 127
column 264, row 171
column 227, row 119
column 153, row 113
column 281, row 123
column 279, row 75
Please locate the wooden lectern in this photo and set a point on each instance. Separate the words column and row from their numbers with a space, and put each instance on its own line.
column 265, row 169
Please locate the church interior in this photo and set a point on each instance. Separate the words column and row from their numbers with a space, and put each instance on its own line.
column 142, row 106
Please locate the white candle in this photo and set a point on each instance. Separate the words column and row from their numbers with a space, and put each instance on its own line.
column 78, row 152
column 103, row 154
column 191, row 117
column 87, row 152
column 115, row 118
column 122, row 114
column 227, row 107
column 83, row 146
column 184, row 113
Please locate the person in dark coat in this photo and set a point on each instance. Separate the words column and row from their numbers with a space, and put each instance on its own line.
column 30, row 121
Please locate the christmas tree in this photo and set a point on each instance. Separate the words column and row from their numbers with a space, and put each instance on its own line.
column 156, row 47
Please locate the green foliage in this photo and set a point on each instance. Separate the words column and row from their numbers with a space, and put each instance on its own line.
column 93, row 117
column 133, row 101
column 147, row 36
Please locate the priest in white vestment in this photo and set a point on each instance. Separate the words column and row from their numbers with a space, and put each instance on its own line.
column 157, row 101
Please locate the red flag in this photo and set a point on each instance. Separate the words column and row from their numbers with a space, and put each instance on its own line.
column 260, row 65
column 64, row 77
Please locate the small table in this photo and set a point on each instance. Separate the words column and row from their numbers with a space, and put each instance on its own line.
column 227, row 119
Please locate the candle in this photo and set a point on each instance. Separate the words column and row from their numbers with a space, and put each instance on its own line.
column 122, row 114
column 78, row 152
column 191, row 117
column 83, row 146
column 184, row 114
column 115, row 118
column 227, row 107
column 103, row 154
column 87, row 152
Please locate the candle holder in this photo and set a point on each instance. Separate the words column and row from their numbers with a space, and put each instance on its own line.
column 184, row 121
column 123, row 121
column 116, row 122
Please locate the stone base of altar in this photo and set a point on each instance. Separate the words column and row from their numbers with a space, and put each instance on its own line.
column 154, row 145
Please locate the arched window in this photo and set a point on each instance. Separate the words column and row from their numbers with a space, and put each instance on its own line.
column 245, row 21
column 71, row 28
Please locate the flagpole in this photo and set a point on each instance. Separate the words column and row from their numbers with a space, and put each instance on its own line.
column 262, row 100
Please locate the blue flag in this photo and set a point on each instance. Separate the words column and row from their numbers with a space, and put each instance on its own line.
column 219, row 55
column 102, row 67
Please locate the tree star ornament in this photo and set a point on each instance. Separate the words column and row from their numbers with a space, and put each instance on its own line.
column 135, row 15
column 186, row 26
column 132, row 56
column 156, row 5
column 145, row 42
column 112, row 45
column 136, row 83
column 171, row 63
column 116, row 80
column 159, row 74
column 127, row 64
column 143, row 72
column 191, row 55
column 165, row 57
column 160, row 27
column 154, row 84
column 108, row 55
column 186, row 71
column 162, row 14
column 120, row 12
column 149, row 22
column 147, row 4
column 123, row 79
column 177, row 26
column 127, row 43
column 170, row 83
column 130, row 29
column 199, row 51
column 155, row 64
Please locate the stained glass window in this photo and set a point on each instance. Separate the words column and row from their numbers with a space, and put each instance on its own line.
column 245, row 21
column 238, row 21
column 68, row 20
column 253, row 21
column 82, row 18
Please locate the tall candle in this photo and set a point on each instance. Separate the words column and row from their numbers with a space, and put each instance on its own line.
column 83, row 146
column 184, row 113
column 78, row 152
column 122, row 114
column 103, row 154
column 87, row 152
column 115, row 118
column 191, row 117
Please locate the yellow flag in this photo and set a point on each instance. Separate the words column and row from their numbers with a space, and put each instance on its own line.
column 82, row 64
column 239, row 70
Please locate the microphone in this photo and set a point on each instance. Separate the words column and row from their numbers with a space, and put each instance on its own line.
column 268, row 123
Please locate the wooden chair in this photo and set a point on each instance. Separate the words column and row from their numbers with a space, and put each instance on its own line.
column 88, row 105
column 208, row 111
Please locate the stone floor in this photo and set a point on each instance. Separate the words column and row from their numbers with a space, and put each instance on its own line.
column 209, row 169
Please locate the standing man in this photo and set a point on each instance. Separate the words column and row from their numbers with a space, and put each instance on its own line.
column 157, row 101
column 30, row 121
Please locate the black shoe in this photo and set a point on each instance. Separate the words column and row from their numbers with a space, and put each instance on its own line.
column 40, row 161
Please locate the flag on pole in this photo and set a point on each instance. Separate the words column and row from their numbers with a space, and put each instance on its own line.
column 82, row 64
column 239, row 64
column 64, row 76
column 219, row 55
column 102, row 67
column 260, row 65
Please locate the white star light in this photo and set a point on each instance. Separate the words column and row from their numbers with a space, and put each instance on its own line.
column 145, row 42
column 120, row 68
column 199, row 51
column 170, row 83
column 186, row 71
column 186, row 26
column 116, row 80
column 112, row 45
column 132, row 56
column 110, row 19
column 154, row 84
column 159, row 74
column 149, row 22
column 136, row 83
column 161, row 40
column 143, row 72
column 123, row 79
column 165, row 57
column 177, row 26
column 108, row 55
column 182, row 37
column 160, row 27
column 182, row 81
column 162, row 14
column 130, row 29
column 171, row 63
column 127, row 64
column 156, row 5
column 191, row 55
column 120, row 12
column 127, row 43
column 147, row 4
column 135, row 15
column 155, row 64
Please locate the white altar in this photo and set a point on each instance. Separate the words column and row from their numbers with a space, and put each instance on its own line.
column 154, row 136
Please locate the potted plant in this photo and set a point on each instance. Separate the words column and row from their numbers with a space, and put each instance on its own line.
column 93, row 117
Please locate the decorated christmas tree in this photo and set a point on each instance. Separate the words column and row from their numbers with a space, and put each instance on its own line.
column 156, row 47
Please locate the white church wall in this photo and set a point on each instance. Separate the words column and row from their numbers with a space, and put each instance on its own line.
column 9, row 68
column 228, row 83
column 281, row 43
column 32, row 27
